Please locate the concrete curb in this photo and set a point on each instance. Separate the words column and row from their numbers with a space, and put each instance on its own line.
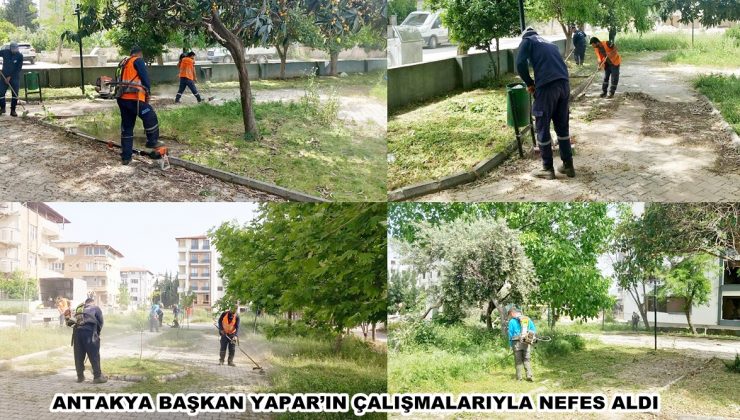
column 479, row 170
column 734, row 138
column 141, row 378
column 204, row 170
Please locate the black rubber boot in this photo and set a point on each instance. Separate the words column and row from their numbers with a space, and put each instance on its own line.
column 12, row 112
column 611, row 95
column 545, row 173
column 199, row 98
column 80, row 379
column 154, row 146
column 125, row 161
column 603, row 95
column 567, row 169
column 100, row 379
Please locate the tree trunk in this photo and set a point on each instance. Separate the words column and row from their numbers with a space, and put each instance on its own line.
column 493, row 62
column 498, row 58
column 502, row 315
column 688, row 319
column 59, row 50
column 489, row 311
column 282, row 51
column 235, row 46
column 334, row 57
column 373, row 331
column 568, row 38
column 612, row 34
column 160, row 60
column 430, row 309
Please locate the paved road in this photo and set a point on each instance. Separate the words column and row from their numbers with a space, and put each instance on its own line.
column 699, row 346
column 27, row 389
column 42, row 164
column 656, row 141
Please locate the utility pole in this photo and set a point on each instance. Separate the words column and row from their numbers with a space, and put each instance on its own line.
column 655, row 312
column 78, row 13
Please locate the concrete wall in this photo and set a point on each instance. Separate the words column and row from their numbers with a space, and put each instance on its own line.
column 70, row 76
column 422, row 81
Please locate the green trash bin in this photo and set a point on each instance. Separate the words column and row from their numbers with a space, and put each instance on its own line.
column 32, row 84
column 517, row 103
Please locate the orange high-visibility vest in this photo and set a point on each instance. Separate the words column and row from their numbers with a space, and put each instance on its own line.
column 131, row 82
column 610, row 52
column 62, row 306
column 187, row 68
column 229, row 326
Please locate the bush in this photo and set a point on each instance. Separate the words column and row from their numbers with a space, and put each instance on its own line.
column 458, row 338
column 734, row 366
column 734, row 34
column 562, row 344
column 297, row 329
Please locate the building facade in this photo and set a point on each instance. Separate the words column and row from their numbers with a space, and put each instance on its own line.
column 99, row 265
column 197, row 263
column 722, row 310
column 26, row 234
column 139, row 282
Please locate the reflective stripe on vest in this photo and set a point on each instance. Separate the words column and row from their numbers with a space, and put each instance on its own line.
column 187, row 68
column 130, row 83
column 229, row 327
column 612, row 53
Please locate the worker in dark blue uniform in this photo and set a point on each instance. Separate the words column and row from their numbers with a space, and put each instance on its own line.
column 551, row 92
column 132, row 95
column 579, row 46
column 87, row 323
column 11, row 77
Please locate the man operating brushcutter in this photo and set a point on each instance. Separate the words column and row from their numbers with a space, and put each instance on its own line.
column 228, row 328
column 551, row 91
column 521, row 343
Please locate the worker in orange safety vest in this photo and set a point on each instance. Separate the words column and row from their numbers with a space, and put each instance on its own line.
column 228, row 328
column 187, row 76
column 609, row 61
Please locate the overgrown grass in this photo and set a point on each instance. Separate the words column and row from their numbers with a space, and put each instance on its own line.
column 296, row 151
column 717, row 51
column 311, row 365
column 465, row 358
column 122, row 322
column 16, row 341
column 149, row 368
column 724, row 92
column 354, row 83
column 447, row 136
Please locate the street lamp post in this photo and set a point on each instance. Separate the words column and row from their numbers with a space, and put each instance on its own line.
column 521, row 15
column 78, row 13
column 655, row 312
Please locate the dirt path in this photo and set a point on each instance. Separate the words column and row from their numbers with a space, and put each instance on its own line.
column 698, row 347
column 41, row 164
column 27, row 389
column 656, row 141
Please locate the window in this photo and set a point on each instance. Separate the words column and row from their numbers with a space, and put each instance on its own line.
column 193, row 259
column 731, row 275
column 220, row 288
column 182, row 256
column 31, row 259
column 437, row 23
column 70, row 251
column 134, row 298
column 134, row 290
column 90, row 266
column 193, row 244
column 731, row 308
column 33, row 233
column 194, row 287
column 670, row 305
column 207, row 298
column 134, row 281
column 206, row 244
column 95, row 251
column 193, row 272
column 181, row 243
column 206, row 273
column 57, row 266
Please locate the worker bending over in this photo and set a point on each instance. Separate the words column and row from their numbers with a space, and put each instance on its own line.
column 609, row 61
column 10, row 77
column 551, row 91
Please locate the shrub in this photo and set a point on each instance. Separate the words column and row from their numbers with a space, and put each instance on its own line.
column 734, row 34
column 562, row 344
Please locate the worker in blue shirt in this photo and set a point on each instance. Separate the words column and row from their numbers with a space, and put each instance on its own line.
column 11, row 77
column 519, row 326
column 579, row 45
column 551, row 91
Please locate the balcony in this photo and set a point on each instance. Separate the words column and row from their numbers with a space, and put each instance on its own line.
column 10, row 236
column 49, row 252
column 9, row 209
column 9, row 265
column 49, row 229
column 196, row 262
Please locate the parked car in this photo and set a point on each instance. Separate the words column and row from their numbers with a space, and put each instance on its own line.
column 29, row 53
column 258, row 55
column 430, row 26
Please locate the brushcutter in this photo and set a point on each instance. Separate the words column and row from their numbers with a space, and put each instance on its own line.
column 160, row 154
column 17, row 96
column 235, row 341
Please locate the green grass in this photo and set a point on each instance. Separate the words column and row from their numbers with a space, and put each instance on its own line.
column 194, row 381
column 447, row 136
column 357, row 83
column 178, row 338
column 312, row 365
column 717, row 51
column 67, row 93
column 131, row 321
column 149, row 368
column 724, row 92
column 464, row 359
column 17, row 342
column 297, row 150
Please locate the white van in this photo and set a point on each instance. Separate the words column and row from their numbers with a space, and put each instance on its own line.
column 430, row 26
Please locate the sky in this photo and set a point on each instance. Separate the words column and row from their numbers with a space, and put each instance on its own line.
column 145, row 232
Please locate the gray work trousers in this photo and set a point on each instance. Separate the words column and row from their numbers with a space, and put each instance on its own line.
column 522, row 352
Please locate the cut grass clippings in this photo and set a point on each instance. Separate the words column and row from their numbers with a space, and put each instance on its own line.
column 446, row 136
column 297, row 150
column 302, row 365
column 724, row 92
column 148, row 368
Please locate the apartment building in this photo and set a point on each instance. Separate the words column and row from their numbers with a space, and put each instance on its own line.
column 139, row 282
column 99, row 265
column 198, row 270
column 26, row 234
column 722, row 310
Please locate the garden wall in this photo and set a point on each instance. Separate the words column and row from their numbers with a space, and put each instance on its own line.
column 418, row 82
column 70, row 76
